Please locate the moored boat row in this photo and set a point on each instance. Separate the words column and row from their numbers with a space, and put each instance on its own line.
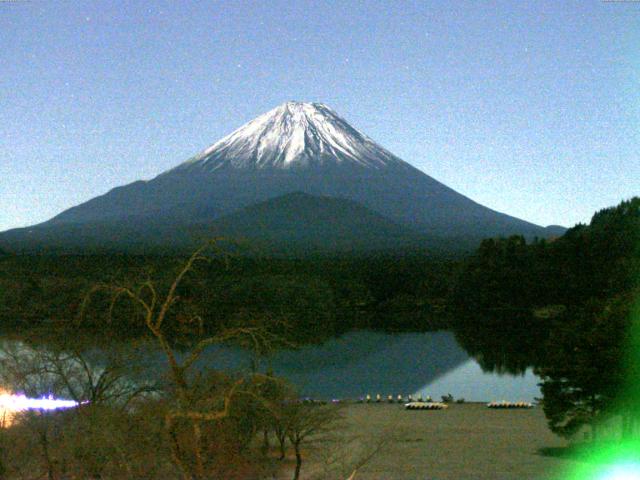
column 505, row 404
column 426, row 406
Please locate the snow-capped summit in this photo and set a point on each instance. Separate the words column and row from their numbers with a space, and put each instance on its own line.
column 293, row 135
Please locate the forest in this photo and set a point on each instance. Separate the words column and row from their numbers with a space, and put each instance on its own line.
column 323, row 294
column 569, row 308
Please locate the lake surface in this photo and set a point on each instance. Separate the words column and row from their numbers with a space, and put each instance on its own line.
column 361, row 363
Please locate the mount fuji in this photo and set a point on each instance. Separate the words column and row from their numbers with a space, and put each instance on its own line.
column 234, row 187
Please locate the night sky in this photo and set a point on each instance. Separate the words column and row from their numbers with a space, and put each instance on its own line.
column 528, row 107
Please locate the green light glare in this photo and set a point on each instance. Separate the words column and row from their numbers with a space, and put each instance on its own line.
column 632, row 392
column 618, row 458
column 624, row 471
column 619, row 461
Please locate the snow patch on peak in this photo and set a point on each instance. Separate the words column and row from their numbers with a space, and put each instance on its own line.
column 293, row 135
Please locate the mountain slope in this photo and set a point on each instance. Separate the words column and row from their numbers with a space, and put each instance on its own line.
column 296, row 147
column 306, row 223
column 293, row 223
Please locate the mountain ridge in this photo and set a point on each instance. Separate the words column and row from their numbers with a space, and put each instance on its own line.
column 296, row 147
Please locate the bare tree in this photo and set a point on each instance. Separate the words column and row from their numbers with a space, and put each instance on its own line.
column 302, row 421
column 338, row 454
column 21, row 369
column 190, row 408
column 99, row 384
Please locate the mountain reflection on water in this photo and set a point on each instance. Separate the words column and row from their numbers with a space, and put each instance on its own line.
column 366, row 362
column 361, row 363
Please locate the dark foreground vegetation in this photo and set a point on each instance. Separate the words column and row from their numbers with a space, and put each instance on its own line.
column 131, row 423
column 565, row 307
column 319, row 297
column 569, row 308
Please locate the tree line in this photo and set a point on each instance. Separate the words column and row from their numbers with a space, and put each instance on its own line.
column 319, row 297
column 568, row 308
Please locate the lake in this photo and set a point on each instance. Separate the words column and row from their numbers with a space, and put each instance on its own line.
column 361, row 363
column 365, row 362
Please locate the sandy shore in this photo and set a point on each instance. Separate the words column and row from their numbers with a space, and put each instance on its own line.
column 467, row 441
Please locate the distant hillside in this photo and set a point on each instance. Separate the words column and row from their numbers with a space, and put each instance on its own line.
column 299, row 222
column 295, row 223
column 146, row 236
column 554, row 231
